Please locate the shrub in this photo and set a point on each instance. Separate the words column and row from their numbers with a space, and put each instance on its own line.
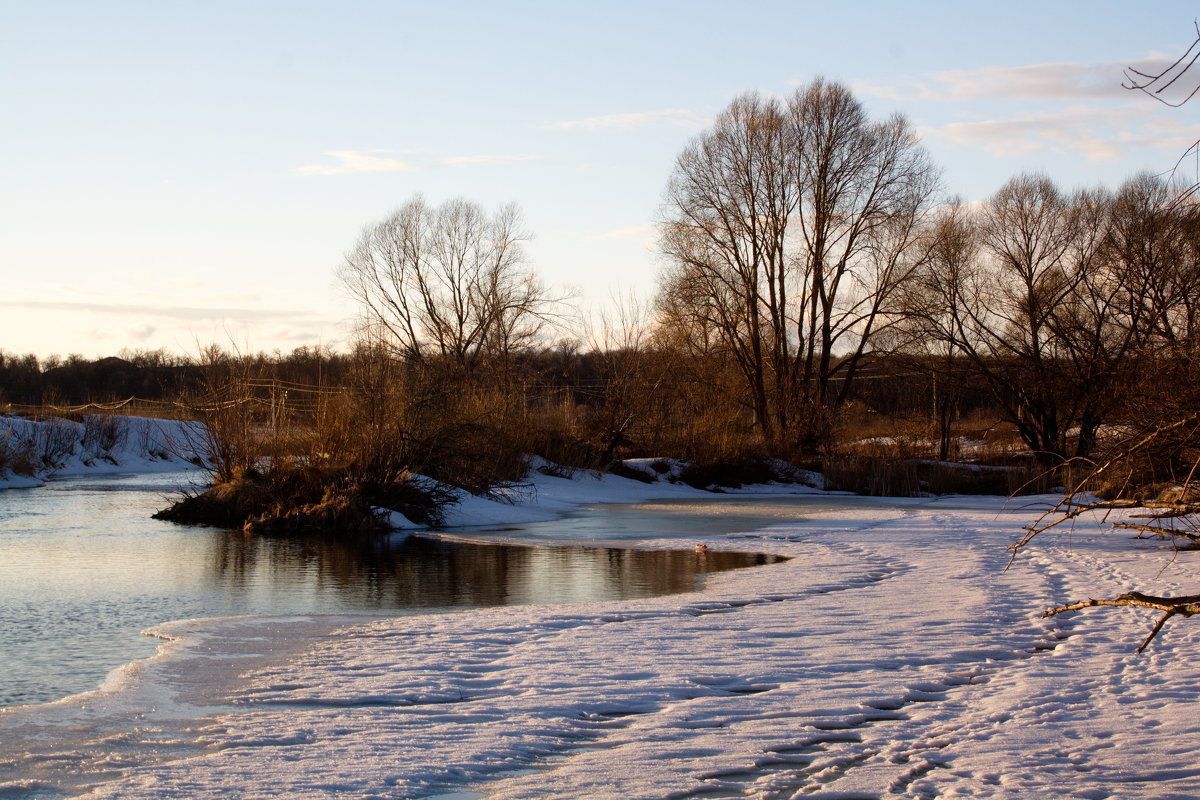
column 101, row 434
column 730, row 473
column 16, row 455
column 294, row 498
column 892, row 477
column 53, row 441
column 623, row 470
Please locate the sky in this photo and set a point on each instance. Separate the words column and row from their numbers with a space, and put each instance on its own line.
column 178, row 174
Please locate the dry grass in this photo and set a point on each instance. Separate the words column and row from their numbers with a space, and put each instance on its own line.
column 327, row 467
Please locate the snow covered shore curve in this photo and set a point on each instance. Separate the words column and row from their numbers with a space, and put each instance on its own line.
column 550, row 490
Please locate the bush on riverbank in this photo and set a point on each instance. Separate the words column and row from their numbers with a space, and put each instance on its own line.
column 331, row 462
column 734, row 473
column 42, row 445
column 17, row 458
column 292, row 498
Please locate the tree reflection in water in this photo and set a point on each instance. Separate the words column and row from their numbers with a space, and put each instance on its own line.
column 343, row 573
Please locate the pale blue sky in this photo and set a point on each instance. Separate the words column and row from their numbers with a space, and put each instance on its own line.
column 176, row 173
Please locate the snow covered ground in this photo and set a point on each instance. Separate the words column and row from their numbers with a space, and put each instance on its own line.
column 892, row 656
column 98, row 444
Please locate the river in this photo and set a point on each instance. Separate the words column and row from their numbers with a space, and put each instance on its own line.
column 84, row 570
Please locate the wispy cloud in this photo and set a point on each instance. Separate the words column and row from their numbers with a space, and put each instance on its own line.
column 179, row 313
column 1068, row 108
column 486, row 161
column 300, row 334
column 675, row 117
column 136, row 333
column 1095, row 133
column 1026, row 134
column 142, row 333
column 1060, row 81
column 354, row 162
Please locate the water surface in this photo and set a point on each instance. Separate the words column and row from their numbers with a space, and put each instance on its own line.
column 84, row 569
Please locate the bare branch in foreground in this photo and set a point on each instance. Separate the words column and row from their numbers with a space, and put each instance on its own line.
column 1170, row 606
column 1069, row 508
column 1158, row 530
column 1154, row 84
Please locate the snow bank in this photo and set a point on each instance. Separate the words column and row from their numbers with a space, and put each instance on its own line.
column 550, row 491
column 547, row 495
column 98, row 444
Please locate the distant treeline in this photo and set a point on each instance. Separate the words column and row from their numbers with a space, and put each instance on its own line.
column 74, row 380
column 889, row 388
column 26, row 380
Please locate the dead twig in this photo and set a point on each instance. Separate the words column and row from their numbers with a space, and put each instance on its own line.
column 1158, row 530
column 1184, row 606
column 1154, row 84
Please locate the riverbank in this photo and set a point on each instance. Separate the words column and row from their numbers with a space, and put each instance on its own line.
column 893, row 655
column 33, row 450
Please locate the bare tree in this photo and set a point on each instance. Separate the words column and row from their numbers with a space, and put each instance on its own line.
column 1154, row 246
column 934, row 304
column 1150, row 249
column 787, row 231
column 1027, row 291
column 864, row 192
column 1153, row 243
column 726, row 217
column 447, row 281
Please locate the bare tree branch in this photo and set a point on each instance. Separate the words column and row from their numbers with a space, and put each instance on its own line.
column 1155, row 83
column 1170, row 606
